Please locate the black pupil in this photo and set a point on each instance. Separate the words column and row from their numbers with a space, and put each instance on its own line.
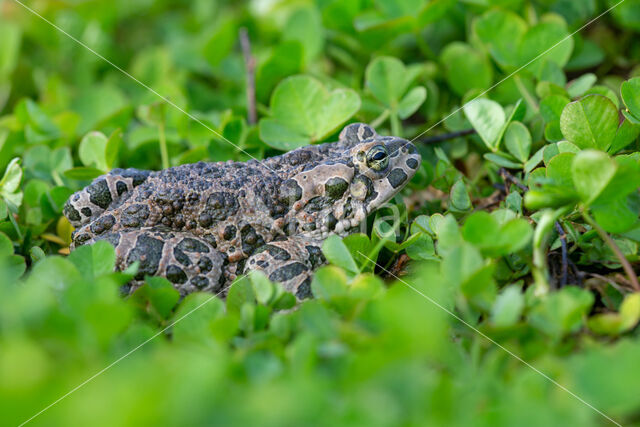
column 379, row 155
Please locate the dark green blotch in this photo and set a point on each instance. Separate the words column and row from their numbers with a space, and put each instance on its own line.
column 290, row 192
column 304, row 290
column 412, row 163
column 189, row 244
column 205, row 265
column 317, row 204
column 278, row 253
column 229, row 232
column 175, row 274
column 70, row 212
column 200, row 282
column 331, row 221
column 288, row 272
column 121, row 187
column 99, row 194
column 316, row 258
column 181, row 256
column 334, row 188
column 148, row 251
column 397, row 177
column 102, row 224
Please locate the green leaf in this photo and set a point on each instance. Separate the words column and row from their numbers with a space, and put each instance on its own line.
column 112, row 148
column 545, row 41
column 263, row 289
column 561, row 312
column 502, row 159
column 517, row 140
column 305, row 26
column 615, row 216
column 534, row 160
column 560, row 170
column 579, row 86
column 304, row 111
column 4, row 209
column 240, row 293
column 412, row 101
column 360, row 247
column 82, row 173
column 627, row 133
column 160, row 293
column 338, row 254
column 630, row 91
column 329, row 282
column 515, row 235
column 219, row 42
column 501, row 31
column 507, row 307
column 481, row 229
column 630, row 311
column 591, row 122
column 94, row 260
column 423, row 247
column 551, row 107
column 461, row 263
column 487, row 118
column 198, row 313
column 285, row 60
column 591, row 172
column 617, row 323
column 466, row 68
column 92, row 150
column 385, row 78
column 6, row 246
column 459, row 196
column 10, row 38
column 10, row 183
column 495, row 239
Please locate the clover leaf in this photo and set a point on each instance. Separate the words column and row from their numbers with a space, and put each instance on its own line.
column 466, row 68
column 630, row 91
column 10, row 192
column 489, row 119
column 388, row 79
column 513, row 44
column 591, row 122
column 303, row 111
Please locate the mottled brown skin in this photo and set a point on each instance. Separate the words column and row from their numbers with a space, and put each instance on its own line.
column 201, row 225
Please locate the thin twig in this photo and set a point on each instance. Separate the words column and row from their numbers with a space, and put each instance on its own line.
column 507, row 177
column 576, row 271
column 616, row 250
column 250, row 66
column 446, row 136
column 565, row 257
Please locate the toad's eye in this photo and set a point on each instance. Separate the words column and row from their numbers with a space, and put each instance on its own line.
column 378, row 158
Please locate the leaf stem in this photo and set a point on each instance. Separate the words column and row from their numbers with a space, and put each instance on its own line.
column 633, row 278
column 164, row 156
column 380, row 119
column 396, row 127
column 250, row 69
column 525, row 93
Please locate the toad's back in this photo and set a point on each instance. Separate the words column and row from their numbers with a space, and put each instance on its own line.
column 198, row 224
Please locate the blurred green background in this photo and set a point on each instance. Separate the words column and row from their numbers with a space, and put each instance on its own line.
column 366, row 353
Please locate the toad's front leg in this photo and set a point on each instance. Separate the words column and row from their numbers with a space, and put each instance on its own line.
column 289, row 261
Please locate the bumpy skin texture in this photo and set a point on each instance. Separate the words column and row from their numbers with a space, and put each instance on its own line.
column 201, row 225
